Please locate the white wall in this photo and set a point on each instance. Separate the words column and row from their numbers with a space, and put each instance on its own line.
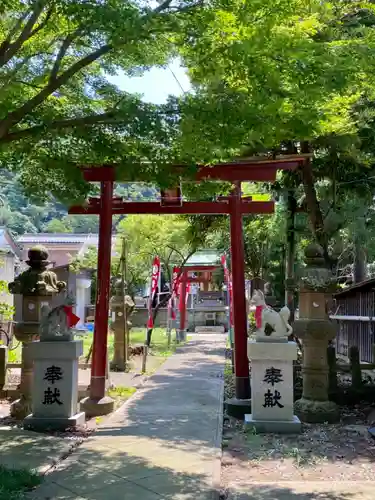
column 7, row 263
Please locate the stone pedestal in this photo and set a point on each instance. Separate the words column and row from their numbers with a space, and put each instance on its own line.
column 315, row 329
column 120, row 327
column 55, row 385
column 37, row 286
column 272, row 387
column 180, row 336
column 314, row 406
column 26, row 331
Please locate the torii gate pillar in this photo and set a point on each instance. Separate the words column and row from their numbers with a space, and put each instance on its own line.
column 98, row 403
column 241, row 404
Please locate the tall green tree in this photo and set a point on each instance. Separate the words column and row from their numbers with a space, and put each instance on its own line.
column 57, row 107
column 282, row 77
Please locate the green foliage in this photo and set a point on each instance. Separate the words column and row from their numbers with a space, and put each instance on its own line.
column 22, row 214
column 57, row 226
column 267, row 73
column 15, row 482
column 58, row 109
column 287, row 77
column 147, row 236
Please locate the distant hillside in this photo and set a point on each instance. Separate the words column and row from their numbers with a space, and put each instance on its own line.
column 20, row 215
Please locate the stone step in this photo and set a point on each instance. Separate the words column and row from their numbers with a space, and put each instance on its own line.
column 209, row 329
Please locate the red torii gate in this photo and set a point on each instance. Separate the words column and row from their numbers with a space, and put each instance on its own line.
column 184, row 280
column 106, row 206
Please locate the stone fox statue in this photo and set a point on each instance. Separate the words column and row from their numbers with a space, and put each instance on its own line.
column 266, row 315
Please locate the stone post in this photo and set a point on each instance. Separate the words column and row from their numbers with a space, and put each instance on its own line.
column 37, row 286
column 315, row 330
column 3, row 365
column 272, row 390
column 120, row 329
column 55, row 381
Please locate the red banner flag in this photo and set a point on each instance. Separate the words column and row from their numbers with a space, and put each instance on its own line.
column 228, row 280
column 154, row 284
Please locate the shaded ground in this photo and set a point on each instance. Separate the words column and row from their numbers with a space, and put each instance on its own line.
column 163, row 444
column 336, row 454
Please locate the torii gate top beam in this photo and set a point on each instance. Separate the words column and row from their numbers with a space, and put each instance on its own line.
column 241, row 170
column 189, row 207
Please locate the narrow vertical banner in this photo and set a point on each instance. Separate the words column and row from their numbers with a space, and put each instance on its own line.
column 188, row 291
column 154, row 284
column 171, row 311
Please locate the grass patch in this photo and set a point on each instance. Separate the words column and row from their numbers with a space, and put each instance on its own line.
column 15, row 482
column 120, row 395
column 159, row 343
column 121, row 392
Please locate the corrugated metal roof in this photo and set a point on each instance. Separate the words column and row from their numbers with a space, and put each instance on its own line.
column 204, row 258
column 364, row 286
column 58, row 238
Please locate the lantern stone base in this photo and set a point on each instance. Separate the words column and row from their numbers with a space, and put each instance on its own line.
column 317, row 412
column 181, row 336
column 238, row 408
column 20, row 408
column 55, row 385
column 97, row 407
column 276, row 426
column 118, row 365
column 55, row 424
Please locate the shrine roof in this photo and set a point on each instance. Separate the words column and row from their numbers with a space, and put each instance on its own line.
column 362, row 287
column 203, row 258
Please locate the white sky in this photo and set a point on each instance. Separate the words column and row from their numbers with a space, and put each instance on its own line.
column 157, row 84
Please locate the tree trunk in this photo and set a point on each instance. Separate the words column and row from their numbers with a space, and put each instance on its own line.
column 313, row 207
column 290, row 254
column 162, row 303
column 359, row 267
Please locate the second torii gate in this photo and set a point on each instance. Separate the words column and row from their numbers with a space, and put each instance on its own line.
column 234, row 205
column 184, row 280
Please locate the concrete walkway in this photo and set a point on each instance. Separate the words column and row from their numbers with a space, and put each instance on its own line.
column 164, row 443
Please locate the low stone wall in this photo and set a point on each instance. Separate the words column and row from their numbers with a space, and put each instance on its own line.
column 198, row 318
column 194, row 318
column 140, row 316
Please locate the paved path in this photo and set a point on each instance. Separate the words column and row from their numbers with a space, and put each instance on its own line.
column 163, row 444
column 303, row 490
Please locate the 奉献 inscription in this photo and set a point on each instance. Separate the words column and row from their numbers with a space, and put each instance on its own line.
column 273, row 376
column 52, row 396
column 53, row 374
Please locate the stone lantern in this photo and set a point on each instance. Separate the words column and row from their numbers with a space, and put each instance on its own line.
column 37, row 286
column 315, row 329
column 120, row 329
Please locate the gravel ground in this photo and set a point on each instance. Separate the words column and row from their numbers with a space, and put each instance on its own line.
column 344, row 451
